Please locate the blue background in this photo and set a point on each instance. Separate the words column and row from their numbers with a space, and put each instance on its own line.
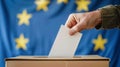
column 44, row 26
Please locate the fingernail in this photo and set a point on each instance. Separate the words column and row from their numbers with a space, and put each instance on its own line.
column 71, row 32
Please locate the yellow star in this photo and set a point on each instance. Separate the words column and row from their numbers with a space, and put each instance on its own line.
column 42, row 4
column 82, row 5
column 99, row 43
column 21, row 42
column 60, row 1
column 24, row 18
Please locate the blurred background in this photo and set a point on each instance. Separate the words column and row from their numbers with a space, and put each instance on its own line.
column 29, row 27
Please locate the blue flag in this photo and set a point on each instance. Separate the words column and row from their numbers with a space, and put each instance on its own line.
column 29, row 27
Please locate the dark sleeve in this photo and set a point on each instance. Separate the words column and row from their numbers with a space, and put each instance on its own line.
column 110, row 16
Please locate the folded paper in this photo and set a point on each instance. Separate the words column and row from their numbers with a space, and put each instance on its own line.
column 65, row 45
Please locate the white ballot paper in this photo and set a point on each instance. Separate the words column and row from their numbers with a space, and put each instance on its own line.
column 64, row 44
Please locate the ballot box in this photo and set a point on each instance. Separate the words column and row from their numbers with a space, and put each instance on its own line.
column 38, row 61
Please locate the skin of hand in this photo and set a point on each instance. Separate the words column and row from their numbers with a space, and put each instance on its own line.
column 81, row 21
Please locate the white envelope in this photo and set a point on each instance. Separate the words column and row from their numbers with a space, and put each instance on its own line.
column 65, row 45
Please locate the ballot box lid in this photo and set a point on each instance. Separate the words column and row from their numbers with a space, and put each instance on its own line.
column 45, row 58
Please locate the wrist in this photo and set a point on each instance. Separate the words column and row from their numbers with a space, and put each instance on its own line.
column 98, row 16
column 98, row 19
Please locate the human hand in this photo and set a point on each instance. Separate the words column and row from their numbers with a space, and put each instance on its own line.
column 80, row 21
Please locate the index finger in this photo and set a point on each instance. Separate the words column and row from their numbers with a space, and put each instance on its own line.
column 70, row 21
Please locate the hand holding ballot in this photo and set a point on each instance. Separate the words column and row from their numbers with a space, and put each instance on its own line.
column 106, row 17
column 80, row 21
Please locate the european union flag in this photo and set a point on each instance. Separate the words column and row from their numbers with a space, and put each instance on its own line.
column 29, row 27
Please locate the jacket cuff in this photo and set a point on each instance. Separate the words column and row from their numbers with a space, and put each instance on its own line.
column 108, row 17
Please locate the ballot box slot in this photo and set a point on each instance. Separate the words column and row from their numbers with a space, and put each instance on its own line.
column 57, row 59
